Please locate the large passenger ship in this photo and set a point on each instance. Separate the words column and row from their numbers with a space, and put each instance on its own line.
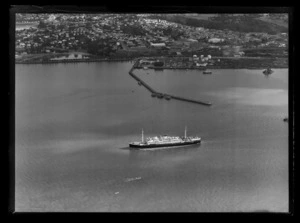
column 165, row 141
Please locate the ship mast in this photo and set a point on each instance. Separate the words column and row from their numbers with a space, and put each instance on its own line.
column 142, row 135
column 185, row 132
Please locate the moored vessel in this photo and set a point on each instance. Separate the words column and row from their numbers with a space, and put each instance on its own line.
column 268, row 71
column 165, row 141
column 159, row 95
column 167, row 97
column 207, row 72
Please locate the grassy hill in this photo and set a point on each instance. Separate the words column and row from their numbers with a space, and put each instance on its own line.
column 276, row 21
column 239, row 23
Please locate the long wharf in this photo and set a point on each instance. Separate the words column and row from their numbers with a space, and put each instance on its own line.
column 141, row 82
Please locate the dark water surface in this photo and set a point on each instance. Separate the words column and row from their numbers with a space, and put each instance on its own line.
column 74, row 123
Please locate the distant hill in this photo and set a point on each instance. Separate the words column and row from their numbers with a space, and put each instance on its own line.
column 275, row 19
column 239, row 23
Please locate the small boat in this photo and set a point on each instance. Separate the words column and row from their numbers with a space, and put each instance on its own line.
column 268, row 71
column 145, row 68
column 153, row 95
column 207, row 72
column 167, row 97
column 286, row 119
column 139, row 83
column 160, row 96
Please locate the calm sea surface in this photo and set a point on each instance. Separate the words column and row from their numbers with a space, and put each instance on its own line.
column 74, row 123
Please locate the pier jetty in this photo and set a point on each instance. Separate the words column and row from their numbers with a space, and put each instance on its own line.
column 191, row 100
column 142, row 83
column 158, row 94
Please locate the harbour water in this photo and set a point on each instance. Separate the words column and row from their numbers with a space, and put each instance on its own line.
column 74, row 123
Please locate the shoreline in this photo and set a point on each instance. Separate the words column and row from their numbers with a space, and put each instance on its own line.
column 72, row 61
column 26, row 23
column 211, row 68
column 225, row 66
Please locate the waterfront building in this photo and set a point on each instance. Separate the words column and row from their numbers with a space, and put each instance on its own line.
column 158, row 44
column 215, row 40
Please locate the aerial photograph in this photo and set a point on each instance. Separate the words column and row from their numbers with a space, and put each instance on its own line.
column 151, row 112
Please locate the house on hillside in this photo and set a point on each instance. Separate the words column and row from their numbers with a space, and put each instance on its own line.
column 215, row 40
column 158, row 45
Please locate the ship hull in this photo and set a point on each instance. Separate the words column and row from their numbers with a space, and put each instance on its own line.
column 164, row 145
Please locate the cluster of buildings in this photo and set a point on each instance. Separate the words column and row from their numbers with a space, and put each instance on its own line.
column 30, row 18
column 50, row 40
column 195, row 61
column 116, row 32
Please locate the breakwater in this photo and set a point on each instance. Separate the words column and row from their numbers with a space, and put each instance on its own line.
column 163, row 95
column 143, row 83
column 191, row 100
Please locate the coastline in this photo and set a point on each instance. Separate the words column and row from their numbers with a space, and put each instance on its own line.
column 227, row 63
column 26, row 23
column 72, row 61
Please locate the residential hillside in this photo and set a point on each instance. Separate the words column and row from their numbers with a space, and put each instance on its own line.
column 148, row 35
